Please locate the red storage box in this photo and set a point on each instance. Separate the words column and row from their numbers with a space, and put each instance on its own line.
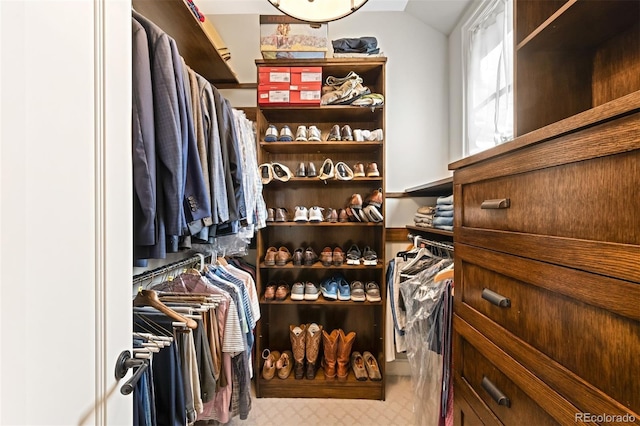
column 306, row 94
column 274, row 75
column 273, row 94
column 306, row 75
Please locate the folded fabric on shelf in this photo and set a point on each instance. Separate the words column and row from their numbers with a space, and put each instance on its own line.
column 445, row 200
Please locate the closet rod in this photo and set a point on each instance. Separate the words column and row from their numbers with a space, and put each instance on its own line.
column 169, row 267
column 416, row 239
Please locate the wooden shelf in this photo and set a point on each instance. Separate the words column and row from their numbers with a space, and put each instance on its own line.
column 315, row 181
column 319, row 265
column 331, row 113
column 333, row 225
column 198, row 42
column 423, row 230
column 320, row 301
column 432, row 189
column 319, row 147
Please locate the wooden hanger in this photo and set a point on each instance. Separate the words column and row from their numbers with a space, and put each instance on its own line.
column 150, row 298
column 445, row 274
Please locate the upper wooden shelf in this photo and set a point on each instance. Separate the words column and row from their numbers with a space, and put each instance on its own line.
column 342, row 146
column 198, row 42
column 581, row 24
column 432, row 189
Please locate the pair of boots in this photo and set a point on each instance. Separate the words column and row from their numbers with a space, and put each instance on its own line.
column 337, row 351
column 305, row 344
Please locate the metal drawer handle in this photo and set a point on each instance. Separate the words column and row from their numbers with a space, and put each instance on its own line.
column 495, row 393
column 495, row 298
column 498, row 203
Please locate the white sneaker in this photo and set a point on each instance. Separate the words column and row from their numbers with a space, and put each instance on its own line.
column 281, row 172
column 285, row 134
column 327, row 171
column 314, row 134
column 343, row 172
column 315, row 214
column 301, row 214
column 301, row 133
column 357, row 135
column 271, row 135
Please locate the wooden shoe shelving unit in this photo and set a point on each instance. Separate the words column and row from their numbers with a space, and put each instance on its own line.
column 366, row 319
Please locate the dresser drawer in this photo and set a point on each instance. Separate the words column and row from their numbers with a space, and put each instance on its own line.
column 558, row 318
column 595, row 199
column 510, row 404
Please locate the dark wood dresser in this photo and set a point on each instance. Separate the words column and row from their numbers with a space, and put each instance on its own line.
column 547, row 232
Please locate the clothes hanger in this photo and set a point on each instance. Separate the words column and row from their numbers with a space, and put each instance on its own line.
column 150, row 298
column 420, row 254
column 445, row 274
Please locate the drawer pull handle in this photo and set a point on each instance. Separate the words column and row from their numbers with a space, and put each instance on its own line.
column 499, row 203
column 495, row 393
column 495, row 298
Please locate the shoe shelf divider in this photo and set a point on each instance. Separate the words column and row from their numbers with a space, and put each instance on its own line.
column 366, row 319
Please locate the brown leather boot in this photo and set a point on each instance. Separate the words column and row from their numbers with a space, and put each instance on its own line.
column 297, row 335
column 313, row 339
column 330, row 349
column 345, row 342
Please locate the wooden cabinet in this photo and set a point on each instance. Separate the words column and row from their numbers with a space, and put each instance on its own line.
column 547, row 232
column 366, row 319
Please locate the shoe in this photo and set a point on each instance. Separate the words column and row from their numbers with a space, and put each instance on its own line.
column 345, row 133
column 282, row 215
column 266, row 173
column 376, row 198
column 369, row 257
column 344, row 290
column 311, row 291
column 358, row 170
column 297, row 337
column 371, row 364
column 369, row 100
column 270, row 291
column 271, row 135
column 330, row 353
column 301, row 171
column 285, row 134
column 269, row 366
column 345, row 342
column 372, row 214
column 315, row 214
column 373, row 292
column 314, row 134
column 356, row 201
column 357, row 292
column 271, row 214
column 327, row 171
column 329, row 289
column 301, row 134
column 351, row 215
column 342, row 216
column 376, row 135
column 298, row 257
column 343, row 172
column 283, row 256
column 301, row 214
column 297, row 291
column 312, row 344
column 363, row 216
column 338, row 256
column 270, row 256
column 281, row 172
column 284, row 365
column 326, row 256
column 282, row 291
column 310, row 257
column 357, row 135
column 311, row 170
column 354, row 255
column 357, row 365
column 372, row 170
column 331, row 215
column 334, row 134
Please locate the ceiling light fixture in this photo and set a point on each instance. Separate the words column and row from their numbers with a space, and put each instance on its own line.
column 318, row 10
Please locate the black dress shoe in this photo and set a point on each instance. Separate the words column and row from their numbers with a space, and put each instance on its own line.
column 302, row 170
column 311, row 170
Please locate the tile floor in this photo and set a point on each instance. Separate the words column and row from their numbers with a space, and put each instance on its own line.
column 396, row 410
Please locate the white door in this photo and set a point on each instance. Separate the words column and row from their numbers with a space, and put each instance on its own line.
column 65, row 210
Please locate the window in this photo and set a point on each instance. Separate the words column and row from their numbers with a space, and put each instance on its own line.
column 488, row 76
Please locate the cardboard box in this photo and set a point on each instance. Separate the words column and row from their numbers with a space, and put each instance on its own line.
column 274, row 75
column 305, row 94
column 274, row 94
column 306, row 75
column 282, row 36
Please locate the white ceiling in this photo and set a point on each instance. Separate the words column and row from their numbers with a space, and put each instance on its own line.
column 441, row 15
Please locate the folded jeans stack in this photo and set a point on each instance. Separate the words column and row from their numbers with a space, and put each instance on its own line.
column 443, row 216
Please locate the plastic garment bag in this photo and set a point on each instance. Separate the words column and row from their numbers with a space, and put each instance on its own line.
column 424, row 301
